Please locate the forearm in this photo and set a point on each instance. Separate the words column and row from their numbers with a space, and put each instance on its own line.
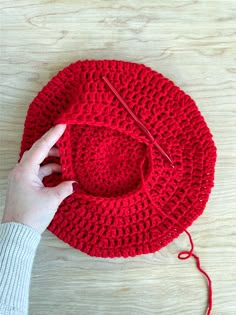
column 18, row 244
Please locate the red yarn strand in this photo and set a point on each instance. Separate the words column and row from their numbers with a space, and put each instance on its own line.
column 141, row 125
column 186, row 255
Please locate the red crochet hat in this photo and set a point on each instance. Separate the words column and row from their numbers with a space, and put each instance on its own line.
column 131, row 200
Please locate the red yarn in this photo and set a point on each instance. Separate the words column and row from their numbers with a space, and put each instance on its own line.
column 186, row 255
column 130, row 201
column 103, row 148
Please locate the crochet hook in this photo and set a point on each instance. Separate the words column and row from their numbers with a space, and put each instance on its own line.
column 137, row 120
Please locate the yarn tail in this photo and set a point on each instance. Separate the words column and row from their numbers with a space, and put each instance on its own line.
column 186, row 255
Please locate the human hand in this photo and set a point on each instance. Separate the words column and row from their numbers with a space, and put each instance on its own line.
column 28, row 201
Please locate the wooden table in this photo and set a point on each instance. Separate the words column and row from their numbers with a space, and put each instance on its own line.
column 192, row 43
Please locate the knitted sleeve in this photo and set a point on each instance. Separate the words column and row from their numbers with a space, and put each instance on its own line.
column 18, row 244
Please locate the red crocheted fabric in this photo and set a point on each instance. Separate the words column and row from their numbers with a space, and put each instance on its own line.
column 131, row 200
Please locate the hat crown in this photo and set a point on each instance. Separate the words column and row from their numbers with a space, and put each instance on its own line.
column 105, row 162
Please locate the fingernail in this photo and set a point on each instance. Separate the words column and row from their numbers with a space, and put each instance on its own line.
column 75, row 186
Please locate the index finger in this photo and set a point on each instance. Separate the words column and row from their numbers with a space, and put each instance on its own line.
column 39, row 150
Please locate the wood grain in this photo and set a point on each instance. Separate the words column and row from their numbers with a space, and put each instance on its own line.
column 191, row 42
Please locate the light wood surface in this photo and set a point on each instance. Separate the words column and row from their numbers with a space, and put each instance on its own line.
column 194, row 44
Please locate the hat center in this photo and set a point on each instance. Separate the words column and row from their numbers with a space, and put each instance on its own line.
column 107, row 162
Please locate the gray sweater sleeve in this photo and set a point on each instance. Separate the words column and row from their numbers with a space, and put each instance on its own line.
column 18, row 245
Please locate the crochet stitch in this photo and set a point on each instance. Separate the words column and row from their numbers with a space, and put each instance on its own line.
column 131, row 200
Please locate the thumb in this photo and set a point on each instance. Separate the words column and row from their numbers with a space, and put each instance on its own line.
column 63, row 190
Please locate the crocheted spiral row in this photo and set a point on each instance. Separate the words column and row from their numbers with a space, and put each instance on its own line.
column 131, row 201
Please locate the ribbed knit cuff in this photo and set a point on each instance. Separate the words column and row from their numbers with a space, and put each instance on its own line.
column 18, row 244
